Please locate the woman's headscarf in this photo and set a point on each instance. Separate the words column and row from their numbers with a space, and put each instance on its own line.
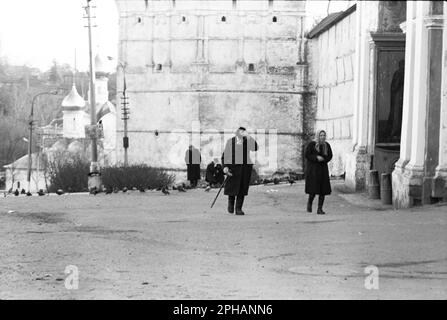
column 320, row 147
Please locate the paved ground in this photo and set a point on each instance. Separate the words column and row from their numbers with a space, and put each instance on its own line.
column 153, row 246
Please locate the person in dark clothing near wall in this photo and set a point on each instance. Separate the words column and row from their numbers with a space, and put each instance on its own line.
column 238, row 166
column 214, row 173
column 318, row 153
column 193, row 160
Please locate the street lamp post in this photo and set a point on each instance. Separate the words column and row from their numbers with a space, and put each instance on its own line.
column 30, row 136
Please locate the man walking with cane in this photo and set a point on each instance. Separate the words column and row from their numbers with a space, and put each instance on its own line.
column 238, row 166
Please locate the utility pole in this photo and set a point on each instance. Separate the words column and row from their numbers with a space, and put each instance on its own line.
column 125, row 116
column 94, row 175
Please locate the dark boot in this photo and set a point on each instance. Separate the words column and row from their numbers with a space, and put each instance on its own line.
column 320, row 205
column 309, row 202
column 239, row 203
column 231, row 204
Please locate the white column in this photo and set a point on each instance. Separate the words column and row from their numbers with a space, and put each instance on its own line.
column 407, row 113
column 357, row 63
column 361, row 76
column 441, row 170
column 418, row 124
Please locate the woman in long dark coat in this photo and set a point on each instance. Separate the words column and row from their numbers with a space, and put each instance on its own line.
column 318, row 153
column 193, row 160
column 238, row 166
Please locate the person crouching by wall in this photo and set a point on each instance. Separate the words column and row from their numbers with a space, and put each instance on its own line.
column 318, row 153
column 238, row 166
column 214, row 174
column 193, row 160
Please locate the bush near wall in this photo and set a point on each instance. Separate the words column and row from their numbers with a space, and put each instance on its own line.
column 135, row 176
column 71, row 176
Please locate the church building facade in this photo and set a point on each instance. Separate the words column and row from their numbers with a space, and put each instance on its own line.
column 378, row 71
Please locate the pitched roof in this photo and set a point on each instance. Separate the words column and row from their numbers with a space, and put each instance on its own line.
column 22, row 163
column 329, row 21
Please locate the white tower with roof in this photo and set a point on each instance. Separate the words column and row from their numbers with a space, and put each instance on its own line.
column 74, row 116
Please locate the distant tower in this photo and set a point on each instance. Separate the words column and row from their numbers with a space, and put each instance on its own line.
column 105, row 110
column 74, row 115
column 207, row 67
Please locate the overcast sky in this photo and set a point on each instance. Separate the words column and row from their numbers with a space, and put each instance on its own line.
column 35, row 32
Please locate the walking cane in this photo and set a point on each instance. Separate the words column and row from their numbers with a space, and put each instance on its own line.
column 222, row 186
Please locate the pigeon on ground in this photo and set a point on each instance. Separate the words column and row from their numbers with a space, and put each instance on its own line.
column 41, row 193
column 108, row 190
column 141, row 189
column 116, row 190
column 207, row 189
column 59, row 192
column 28, row 194
column 23, row 191
column 164, row 190
column 124, row 189
column 94, row 191
column 181, row 189
column 291, row 181
column 276, row 181
column 16, row 193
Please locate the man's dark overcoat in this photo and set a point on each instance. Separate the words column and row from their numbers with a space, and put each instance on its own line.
column 236, row 158
column 193, row 159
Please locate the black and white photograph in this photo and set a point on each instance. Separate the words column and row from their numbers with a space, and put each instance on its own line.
column 243, row 151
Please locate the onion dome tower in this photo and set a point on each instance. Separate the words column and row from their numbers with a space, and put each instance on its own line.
column 74, row 115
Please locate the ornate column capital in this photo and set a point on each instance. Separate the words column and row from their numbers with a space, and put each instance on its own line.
column 434, row 22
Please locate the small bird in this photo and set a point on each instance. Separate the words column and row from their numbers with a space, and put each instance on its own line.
column 134, row 189
column 181, row 189
column 41, row 193
column 28, row 194
column 23, row 191
column 16, row 193
column 158, row 189
column 94, row 191
column 291, row 181
column 116, row 190
column 59, row 192
column 266, row 181
column 124, row 189
column 165, row 191
column 141, row 189
column 108, row 190
column 276, row 180
column 207, row 189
